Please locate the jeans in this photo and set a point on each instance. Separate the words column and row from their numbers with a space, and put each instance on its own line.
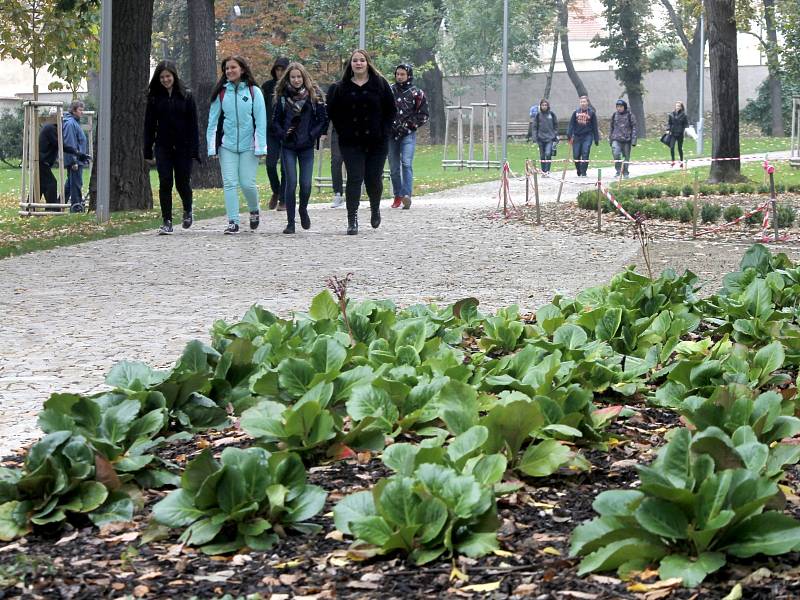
column 238, row 171
column 289, row 161
column 364, row 166
column 276, row 183
column 621, row 152
column 581, row 148
column 174, row 167
column 401, row 159
column 336, row 165
column 73, row 185
column 676, row 139
column 545, row 154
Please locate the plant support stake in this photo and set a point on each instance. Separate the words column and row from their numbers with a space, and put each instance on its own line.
column 536, row 195
column 773, row 202
column 599, row 200
column 694, row 204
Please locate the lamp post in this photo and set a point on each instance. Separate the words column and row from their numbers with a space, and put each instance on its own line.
column 701, row 111
column 103, row 158
column 504, row 91
column 362, row 24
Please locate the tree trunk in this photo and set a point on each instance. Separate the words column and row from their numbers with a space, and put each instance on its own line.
column 773, row 64
column 203, row 60
column 721, row 22
column 563, row 25
column 131, row 27
column 432, row 85
column 636, row 101
column 694, row 69
column 549, row 82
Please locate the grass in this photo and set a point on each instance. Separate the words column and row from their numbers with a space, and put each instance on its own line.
column 20, row 235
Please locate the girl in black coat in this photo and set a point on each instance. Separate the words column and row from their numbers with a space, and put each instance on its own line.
column 676, row 127
column 298, row 121
column 171, row 123
column 362, row 109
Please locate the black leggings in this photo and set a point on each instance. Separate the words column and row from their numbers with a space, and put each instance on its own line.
column 676, row 139
column 169, row 161
column 364, row 166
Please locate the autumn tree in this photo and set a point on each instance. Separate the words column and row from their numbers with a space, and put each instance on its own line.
column 626, row 42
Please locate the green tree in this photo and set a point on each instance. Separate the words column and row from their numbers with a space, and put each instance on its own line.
column 171, row 27
column 11, row 132
column 629, row 37
column 25, row 30
column 76, row 46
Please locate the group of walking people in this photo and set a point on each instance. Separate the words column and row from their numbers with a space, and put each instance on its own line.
column 583, row 131
column 284, row 120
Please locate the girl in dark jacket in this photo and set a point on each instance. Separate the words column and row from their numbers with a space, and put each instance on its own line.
column 170, row 123
column 298, row 121
column 676, row 127
column 362, row 109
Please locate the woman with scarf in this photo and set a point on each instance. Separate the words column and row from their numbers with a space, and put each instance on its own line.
column 362, row 109
column 298, row 121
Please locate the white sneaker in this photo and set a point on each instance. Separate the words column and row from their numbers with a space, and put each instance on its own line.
column 338, row 201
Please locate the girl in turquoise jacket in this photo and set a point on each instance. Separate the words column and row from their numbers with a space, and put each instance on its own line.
column 237, row 133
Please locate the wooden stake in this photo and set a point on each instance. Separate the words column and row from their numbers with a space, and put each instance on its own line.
column 563, row 177
column 695, row 205
column 536, row 195
column 599, row 200
column 774, row 202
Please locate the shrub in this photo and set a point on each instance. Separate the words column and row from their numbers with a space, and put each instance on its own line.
column 793, row 187
column 650, row 210
column 248, row 498
column 652, row 191
column 664, row 210
column 731, row 213
column 754, row 219
column 724, row 189
column 587, row 200
column 641, row 192
column 673, row 191
column 707, row 190
column 763, row 188
column 685, row 213
column 746, row 188
column 710, row 213
column 786, row 216
column 780, row 188
column 688, row 190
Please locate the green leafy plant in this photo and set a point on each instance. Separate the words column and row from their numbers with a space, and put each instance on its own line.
column 703, row 498
column 732, row 213
column 59, row 480
column 246, row 499
column 710, row 213
column 435, row 511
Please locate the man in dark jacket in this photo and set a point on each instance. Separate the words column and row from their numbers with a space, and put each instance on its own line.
column 276, row 183
column 582, row 131
column 412, row 113
column 622, row 135
column 48, row 156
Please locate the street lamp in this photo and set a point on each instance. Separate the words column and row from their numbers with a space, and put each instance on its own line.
column 701, row 112
column 504, row 91
column 362, row 25
column 103, row 158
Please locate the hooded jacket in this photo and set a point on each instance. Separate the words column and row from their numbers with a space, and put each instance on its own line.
column 584, row 123
column 170, row 122
column 623, row 126
column 268, row 87
column 74, row 137
column 411, row 104
column 309, row 125
column 244, row 125
column 544, row 125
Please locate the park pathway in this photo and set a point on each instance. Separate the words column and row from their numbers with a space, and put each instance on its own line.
column 67, row 315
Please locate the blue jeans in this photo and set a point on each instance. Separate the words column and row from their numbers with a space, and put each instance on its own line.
column 622, row 155
column 581, row 147
column 401, row 159
column 545, row 154
column 289, row 163
column 73, row 185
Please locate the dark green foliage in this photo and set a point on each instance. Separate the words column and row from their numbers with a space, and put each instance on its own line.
column 710, row 213
column 759, row 110
column 731, row 213
column 754, row 219
column 786, row 216
column 11, row 132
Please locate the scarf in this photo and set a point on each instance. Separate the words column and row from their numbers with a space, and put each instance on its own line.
column 296, row 99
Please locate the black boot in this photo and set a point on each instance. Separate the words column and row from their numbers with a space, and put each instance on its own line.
column 352, row 223
column 375, row 214
column 305, row 220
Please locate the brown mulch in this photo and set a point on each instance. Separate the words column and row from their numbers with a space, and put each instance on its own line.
column 84, row 562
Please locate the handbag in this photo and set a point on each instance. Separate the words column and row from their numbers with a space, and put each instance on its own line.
column 666, row 139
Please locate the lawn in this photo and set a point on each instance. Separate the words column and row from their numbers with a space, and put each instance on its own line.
column 21, row 235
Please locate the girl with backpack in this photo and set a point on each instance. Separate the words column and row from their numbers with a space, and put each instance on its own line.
column 362, row 109
column 237, row 133
column 170, row 122
column 298, row 120
column 544, row 132
column 677, row 123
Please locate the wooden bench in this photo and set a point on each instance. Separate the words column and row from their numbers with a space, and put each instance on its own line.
column 519, row 129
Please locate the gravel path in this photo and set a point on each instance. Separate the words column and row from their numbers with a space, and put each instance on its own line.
column 67, row 315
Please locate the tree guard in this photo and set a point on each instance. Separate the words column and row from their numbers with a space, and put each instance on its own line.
column 29, row 193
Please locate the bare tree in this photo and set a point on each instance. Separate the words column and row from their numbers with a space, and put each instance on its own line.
column 563, row 26
column 203, row 61
column 694, row 57
column 549, row 82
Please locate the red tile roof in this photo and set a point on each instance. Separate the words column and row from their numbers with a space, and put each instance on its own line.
column 584, row 22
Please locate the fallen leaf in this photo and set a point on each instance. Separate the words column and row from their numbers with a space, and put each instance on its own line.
column 551, row 551
column 335, row 535
column 455, row 573
column 658, row 585
column 105, row 473
column 757, row 576
column 290, row 578
column 140, row 591
column 150, row 575
column 736, row 593
column 482, row 587
column 581, row 595
column 503, row 553
column 363, row 585
column 67, row 539
column 125, row 537
column 526, row 589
